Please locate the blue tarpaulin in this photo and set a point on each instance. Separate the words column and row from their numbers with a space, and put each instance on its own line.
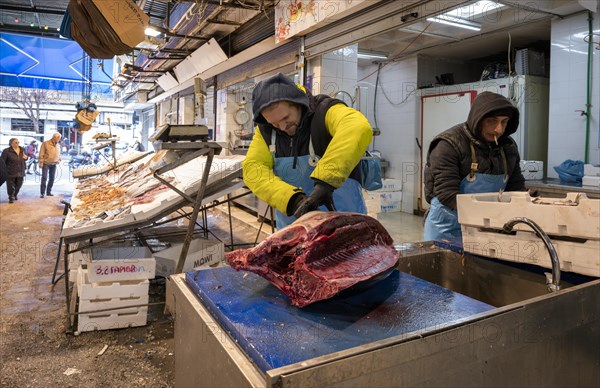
column 48, row 63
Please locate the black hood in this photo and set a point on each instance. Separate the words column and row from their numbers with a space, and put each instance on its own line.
column 491, row 104
column 276, row 88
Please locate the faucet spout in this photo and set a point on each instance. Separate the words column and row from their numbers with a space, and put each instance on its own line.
column 508, row 227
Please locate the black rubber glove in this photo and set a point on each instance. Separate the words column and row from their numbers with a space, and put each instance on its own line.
column 322, row 194
column 294, row 203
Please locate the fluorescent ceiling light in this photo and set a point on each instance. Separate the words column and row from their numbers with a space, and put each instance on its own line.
column 470, row 11
column 151, row 32
column 371, row 55
column 455, row 22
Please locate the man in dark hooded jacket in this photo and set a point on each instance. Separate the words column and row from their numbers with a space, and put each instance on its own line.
column 304, row 153
column 476, row 156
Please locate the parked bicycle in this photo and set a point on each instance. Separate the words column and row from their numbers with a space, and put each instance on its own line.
column 33, row 166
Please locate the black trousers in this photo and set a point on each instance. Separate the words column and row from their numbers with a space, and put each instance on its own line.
column 13, row 185
column 48, row 173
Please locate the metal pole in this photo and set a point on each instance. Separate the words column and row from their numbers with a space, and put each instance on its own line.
column 192, row 222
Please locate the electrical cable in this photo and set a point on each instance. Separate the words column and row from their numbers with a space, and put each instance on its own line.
column 397, row 56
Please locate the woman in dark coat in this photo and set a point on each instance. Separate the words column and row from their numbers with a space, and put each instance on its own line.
column 14, row 157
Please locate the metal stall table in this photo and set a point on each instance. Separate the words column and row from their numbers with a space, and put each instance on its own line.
column 222, row 180
column 450, row 328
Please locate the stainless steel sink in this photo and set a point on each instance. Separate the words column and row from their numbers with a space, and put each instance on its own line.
column 490, row 281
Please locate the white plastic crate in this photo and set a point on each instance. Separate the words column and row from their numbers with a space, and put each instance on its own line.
column 93, row 297
column 201, row 254
column 573, row 224
column 526, row 247
column 117, row 319
column 110, row 290
column 572, row 216
column 115, row 263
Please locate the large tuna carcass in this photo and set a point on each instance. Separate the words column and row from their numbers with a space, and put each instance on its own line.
column 319, row 255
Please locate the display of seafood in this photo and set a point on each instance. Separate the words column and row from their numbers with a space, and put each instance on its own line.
column 319, row 255
column 131, row 193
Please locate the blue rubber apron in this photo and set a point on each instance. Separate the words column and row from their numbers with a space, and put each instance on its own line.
column 347, row 198
column 442, row 221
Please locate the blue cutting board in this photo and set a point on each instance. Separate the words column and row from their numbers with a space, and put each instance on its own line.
column 274, row 333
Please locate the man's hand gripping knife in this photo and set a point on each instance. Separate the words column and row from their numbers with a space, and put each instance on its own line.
column 322, row 194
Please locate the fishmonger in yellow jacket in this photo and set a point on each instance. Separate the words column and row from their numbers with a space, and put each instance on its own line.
column 305, row 150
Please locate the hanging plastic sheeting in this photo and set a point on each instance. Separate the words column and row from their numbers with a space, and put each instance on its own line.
column 105, row 28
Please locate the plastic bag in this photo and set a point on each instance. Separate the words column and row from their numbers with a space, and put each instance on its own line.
column 370, row 172
column 570, row 171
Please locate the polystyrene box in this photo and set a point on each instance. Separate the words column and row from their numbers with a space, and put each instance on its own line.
column 201, row 254
column 532, row 169
column 591, row 170
column 390, row 185
column 116, row 263
column 592, row 181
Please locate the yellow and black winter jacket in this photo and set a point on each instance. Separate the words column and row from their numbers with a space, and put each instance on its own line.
column 340, row 136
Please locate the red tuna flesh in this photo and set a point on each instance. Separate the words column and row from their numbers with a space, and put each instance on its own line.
column 319, row 255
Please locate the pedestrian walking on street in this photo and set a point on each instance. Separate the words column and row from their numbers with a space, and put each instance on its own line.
column 49, row 159
column 14, row 156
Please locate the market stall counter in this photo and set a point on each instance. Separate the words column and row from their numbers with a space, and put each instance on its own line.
column 444, row 317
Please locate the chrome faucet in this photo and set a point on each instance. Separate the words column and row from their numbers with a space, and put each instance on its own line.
column 554, row 284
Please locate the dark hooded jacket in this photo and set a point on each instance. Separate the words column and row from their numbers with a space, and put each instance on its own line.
column 340, row 137
column 15, row 164
column 449, row 155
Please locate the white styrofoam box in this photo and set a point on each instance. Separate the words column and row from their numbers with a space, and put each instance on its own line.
column 390, row 207
column 116, row 319
column 391, row 185
column 387, row 207
column 76, row 259
column 110, row 290
column 593, row 181
column 572, row 216
column 591, row 170
column 383, row 196
column 527, row 247
column 201, row 254
column 532, row 169
column 116, row 263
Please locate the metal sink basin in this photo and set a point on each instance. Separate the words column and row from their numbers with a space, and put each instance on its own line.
column 494, row 282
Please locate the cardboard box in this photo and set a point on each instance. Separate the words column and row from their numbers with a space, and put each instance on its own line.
column 126, row 19
column 114, row 263
column 201, row 254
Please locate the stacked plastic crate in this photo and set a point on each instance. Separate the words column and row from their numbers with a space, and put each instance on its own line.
column 572, row 224
column 113, row 287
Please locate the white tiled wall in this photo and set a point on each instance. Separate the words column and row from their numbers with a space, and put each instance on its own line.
column 568, row 90
column 336, row 71
column 397, row 119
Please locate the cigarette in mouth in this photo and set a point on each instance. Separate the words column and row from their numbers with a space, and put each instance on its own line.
column 496, row 139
